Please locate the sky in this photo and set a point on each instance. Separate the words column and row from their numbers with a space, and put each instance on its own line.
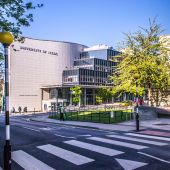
column 92, row 22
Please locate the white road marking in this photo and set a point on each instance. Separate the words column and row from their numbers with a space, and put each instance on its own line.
column 1, row 168
column 67, row 126
column 45, row 128
column 31, row 129
column 130, row 165
column 65, row 154
column 138, row 140
column 95, row 148
column 151, row 156
column 84, row 135
column 65, row 136
column 119, row 143
column 147, row 136
column 28, row 162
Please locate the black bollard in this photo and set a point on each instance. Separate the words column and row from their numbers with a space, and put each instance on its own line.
column 137, row 122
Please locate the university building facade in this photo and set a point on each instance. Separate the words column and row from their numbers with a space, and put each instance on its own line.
column 42, row 72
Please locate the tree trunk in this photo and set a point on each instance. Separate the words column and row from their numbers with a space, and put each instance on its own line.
column 149, row 96
column 157, row 97
column 105, row 106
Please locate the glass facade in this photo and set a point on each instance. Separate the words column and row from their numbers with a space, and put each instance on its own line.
column 87, row 63
column 92, row 68
column 71, row 76
column 105, row 54
column 102, row 54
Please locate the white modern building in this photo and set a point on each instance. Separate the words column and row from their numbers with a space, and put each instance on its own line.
column 35, row 67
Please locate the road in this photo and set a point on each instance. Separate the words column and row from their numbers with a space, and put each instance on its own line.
column 45, row 146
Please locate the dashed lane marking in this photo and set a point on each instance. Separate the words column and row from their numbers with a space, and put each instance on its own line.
column 84, row 135
column 45, row 128
column 36, row 130
column 65, row 136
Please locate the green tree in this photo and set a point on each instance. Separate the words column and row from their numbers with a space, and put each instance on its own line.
column 76, row 94
column 104, row 94
column 145, row 55
column 98, row 100
column 15, row 14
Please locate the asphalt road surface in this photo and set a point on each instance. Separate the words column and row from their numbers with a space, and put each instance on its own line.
column 45, row 146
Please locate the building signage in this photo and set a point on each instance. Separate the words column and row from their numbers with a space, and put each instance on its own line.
column 28, row 95
column 38, row 50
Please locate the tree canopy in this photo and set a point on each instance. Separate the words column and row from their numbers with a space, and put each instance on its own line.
column 14, row 14
column 76, row 92
column 104, row 94
column 145, row 55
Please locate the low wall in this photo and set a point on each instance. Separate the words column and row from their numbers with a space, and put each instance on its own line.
column 147, row 112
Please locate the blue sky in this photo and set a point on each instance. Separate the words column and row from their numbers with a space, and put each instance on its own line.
column 92, row 22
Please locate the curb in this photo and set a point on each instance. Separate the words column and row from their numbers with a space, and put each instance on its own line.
column 81, row 126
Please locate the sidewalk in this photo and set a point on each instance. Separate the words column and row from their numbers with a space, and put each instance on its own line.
column 157, row 123
column 101, row 126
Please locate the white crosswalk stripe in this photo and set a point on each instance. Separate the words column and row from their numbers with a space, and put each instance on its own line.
column 130, row 140
column 65, row 154
column 119, row 143
column 138, row 140
column 29, row 162
column 150, row 137
column 95, row 148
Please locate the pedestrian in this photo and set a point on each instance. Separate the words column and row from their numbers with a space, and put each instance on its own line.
column 141, row 101
column 62, row 113
column 25, row 109
column 13, row 110
column 19, row 109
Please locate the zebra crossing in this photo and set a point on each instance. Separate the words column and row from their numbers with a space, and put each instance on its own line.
column 30, row 162
column 139, row 140
column 72, row 157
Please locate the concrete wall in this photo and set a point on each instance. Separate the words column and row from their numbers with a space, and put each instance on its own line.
column 37, row 63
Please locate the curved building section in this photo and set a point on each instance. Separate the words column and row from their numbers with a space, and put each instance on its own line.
column 35, row 64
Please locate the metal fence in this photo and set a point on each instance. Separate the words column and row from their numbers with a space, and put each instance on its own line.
column 112, row 116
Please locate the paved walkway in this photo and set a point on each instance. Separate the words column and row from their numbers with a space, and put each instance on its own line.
column 111, row 127
column 158, row 123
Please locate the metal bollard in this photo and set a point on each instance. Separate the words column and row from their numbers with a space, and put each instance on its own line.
column 137, row 122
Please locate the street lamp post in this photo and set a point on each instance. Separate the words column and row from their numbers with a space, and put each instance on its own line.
column 6, row 39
